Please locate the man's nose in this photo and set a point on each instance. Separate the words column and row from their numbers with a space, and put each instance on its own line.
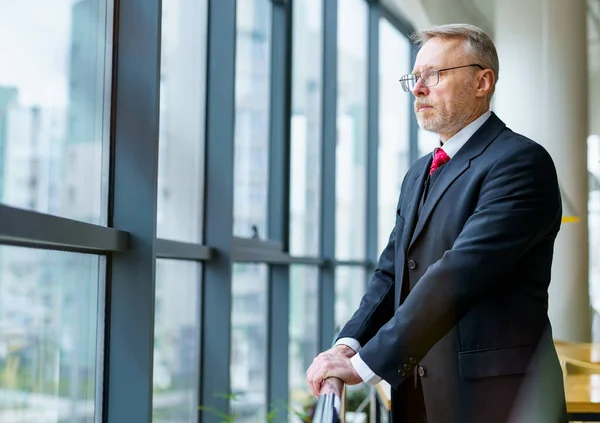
column 420, row 89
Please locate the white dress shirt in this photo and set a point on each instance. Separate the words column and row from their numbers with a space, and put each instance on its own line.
column 450, row 147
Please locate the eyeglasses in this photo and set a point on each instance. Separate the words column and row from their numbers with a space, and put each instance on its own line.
column 429, row 77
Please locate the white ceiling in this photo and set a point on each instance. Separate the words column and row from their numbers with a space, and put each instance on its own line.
column 481, row 13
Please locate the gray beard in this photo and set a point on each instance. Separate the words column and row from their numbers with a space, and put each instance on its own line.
column 442, row 126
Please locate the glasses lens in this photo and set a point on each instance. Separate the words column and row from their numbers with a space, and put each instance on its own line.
column 407, row 82
column 429, row 77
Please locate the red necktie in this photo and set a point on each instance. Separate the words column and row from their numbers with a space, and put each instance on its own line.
column 440, row 158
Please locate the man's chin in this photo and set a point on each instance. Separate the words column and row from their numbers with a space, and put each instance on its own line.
column 428, row 126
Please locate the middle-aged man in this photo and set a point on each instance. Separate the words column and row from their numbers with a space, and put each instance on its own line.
column 455, row 315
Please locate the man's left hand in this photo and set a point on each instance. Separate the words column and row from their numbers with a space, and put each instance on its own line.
column 330, row 364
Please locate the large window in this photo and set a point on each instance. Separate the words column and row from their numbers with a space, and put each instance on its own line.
column 51, row 327
column 135, row 154
column 252, row 82
column 593, row 144
column 350, row 284
column 249, row 343
column 351, row 153
column 176, row 342
column 306, row 127
column 54, row 102
column 181, row 139
column 394, row 125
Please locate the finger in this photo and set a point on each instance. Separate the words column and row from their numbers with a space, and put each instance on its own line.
column 315, row 363
column 317, row 378
column 332, row 385
column 311, row 379
column 316, row 385
column 315, row 368
column 311, row 376
column 327, row 387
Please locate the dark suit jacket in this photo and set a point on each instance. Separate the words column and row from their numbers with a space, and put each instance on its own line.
column 477, row 257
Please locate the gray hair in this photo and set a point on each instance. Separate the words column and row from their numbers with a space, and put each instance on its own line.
column 477, row 44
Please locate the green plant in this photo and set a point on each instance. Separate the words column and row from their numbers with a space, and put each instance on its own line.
column 225, row 418
column 355, row 396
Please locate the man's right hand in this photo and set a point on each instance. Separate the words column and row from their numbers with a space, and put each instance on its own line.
column 335, row 362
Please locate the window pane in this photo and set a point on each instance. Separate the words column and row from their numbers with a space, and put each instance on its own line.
column 351, row 152
column 306, row 127
column 51, row 326
column 304, row 330
column 249, row 342
column 350, row 283
column 394, row 125
column 181, row 135
column 593, row 150
column 176, row 342
column 252, row 81
column 54, row 107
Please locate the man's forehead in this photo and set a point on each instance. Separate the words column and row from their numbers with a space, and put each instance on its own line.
column 436, row 53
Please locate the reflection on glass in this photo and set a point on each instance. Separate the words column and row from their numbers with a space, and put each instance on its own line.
column 249, row 342
column 351, row 151
column 306, row 127
column 51, row 321
column 181, row 135
column 350, row 284
column 304, row 329
column 394, row 126
column 54, row 98
column 252, row 79
column 176, row 342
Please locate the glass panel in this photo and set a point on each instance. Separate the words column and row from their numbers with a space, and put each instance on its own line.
column 351, row 152
column 350, row 284
column 593, row 145
column 252, row 82
column 51, row 326
column 54, row 107
column 305, row 189
column 304, row 330
column 249, row 342
column 176, row 342
column 394, row 126
column 181, row 135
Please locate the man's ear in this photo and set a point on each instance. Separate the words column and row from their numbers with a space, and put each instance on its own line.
column 486, row 82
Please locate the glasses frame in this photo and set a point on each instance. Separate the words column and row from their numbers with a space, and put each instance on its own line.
column 407, row 79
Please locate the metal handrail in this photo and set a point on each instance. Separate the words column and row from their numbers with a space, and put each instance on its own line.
column 325, row 411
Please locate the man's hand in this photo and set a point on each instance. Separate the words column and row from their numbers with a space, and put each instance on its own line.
column 333, row 384
column 344, row 350
column 334, row 362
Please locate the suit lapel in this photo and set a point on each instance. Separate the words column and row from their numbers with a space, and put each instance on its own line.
column 454, row 168
column 414, row 201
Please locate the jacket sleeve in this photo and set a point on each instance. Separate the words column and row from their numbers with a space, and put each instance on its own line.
column 519, row 205
column 377, row 305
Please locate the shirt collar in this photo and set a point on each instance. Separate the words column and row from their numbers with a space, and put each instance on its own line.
column 455, row 143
